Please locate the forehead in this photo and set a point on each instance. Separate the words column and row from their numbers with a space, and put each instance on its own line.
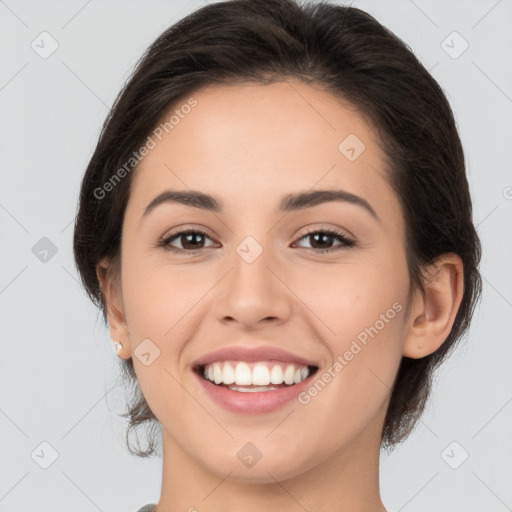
column 252, row 143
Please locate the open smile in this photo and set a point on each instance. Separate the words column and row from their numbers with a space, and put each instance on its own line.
column 254, row 387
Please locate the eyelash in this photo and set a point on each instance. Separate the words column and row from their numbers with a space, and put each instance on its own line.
column 164, row 243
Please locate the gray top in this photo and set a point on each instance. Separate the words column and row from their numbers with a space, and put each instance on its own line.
column 147, row 508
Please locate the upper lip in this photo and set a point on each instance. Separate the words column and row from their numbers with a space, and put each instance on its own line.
column 252, row 354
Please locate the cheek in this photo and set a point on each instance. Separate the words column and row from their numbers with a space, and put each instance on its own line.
column 360, row 308
column 162, row 300
column 353, row 388
column 347, row 297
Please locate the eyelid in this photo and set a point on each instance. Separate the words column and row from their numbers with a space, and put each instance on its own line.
column 188, row 227
column 325, row 228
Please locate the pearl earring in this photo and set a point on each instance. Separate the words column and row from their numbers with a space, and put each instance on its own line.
column 119, row 346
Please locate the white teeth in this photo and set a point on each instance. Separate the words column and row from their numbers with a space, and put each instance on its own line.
column 260, row 375
column 288, row 374
column 276, row 375
column 252, row 390
column 217, row 373
column 234, row 374
column 243, row 375
column 228, row 374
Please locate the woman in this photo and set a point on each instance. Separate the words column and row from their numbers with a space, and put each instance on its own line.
column 276, row 224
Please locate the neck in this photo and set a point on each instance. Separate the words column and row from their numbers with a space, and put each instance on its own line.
column 347, row 480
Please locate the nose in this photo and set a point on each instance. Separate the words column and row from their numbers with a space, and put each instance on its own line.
column 253, row 295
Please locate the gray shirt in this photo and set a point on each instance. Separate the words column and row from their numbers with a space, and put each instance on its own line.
column 149, row 508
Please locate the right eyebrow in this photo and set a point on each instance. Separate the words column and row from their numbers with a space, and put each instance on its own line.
column 190, row 198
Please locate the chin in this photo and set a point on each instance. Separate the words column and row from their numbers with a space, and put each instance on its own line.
column 268, row 469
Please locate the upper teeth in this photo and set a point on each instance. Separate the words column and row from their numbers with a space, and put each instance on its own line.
column 261, row 374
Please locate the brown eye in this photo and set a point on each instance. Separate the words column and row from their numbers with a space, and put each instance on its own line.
column 191, row 240
column 322, row 240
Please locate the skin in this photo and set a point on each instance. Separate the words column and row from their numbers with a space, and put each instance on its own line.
column 249, row 146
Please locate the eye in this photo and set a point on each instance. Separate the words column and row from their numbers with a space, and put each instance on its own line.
column 324, row 238
column 190, row 239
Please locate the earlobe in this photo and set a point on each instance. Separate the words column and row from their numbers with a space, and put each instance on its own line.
column 111, row 291
column 433, row 312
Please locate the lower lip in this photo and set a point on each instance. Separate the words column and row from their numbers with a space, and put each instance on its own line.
column 256, row 402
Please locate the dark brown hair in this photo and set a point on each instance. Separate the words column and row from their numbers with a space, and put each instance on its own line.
column 346, row 52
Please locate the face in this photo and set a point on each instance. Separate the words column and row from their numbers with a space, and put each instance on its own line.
column 265, row 282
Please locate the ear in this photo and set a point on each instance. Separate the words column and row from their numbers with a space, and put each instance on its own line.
column 110, row 284
column 433, row 313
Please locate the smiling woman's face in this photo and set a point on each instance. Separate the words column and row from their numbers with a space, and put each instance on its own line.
column 258, row 279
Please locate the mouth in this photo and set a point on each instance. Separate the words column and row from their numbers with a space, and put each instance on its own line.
column 253, row 380
column 254, row 376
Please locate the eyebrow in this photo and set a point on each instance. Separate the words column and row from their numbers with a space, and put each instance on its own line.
column 290, row 202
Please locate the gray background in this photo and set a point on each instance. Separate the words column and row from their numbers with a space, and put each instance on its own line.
column 59, row 375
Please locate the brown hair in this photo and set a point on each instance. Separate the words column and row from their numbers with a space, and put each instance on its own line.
column 348, row 53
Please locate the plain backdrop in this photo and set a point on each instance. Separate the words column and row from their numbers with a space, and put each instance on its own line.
column 60, row 394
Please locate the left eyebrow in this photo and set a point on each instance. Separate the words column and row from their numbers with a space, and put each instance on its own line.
column 290, row 202
column 308, row 199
